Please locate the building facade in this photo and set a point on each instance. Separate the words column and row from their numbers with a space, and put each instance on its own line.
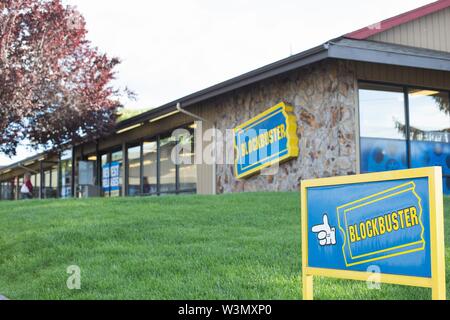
column 375, row 99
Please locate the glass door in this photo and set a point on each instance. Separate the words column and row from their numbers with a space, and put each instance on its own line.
column 112, row 166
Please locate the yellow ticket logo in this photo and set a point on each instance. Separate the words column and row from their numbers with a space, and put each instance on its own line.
column 382, row 225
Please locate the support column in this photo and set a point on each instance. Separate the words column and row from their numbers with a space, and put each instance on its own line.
column 307, row 286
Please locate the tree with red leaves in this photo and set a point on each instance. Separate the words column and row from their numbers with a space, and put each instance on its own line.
column 55, row 88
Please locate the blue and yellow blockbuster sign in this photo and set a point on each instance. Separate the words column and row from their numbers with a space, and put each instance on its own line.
column 269, row 138
column 391, row 222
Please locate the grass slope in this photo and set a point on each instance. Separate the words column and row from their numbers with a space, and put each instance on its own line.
column 242, row 246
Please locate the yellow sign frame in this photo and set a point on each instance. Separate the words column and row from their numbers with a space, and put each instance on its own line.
column 292, row 138
column 437, row 244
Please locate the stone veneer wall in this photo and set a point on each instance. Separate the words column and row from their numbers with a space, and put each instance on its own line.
column 324, row 96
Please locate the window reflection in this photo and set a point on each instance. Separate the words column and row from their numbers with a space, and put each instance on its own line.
column 8, row 190
column 430, row 131
column 134, row 170
column 50, row 183
column 167, row 165
column 66, row 178
column 149, row 181
column 155, row 166
column 429, row 115
column 382, row 127
column 382, row 112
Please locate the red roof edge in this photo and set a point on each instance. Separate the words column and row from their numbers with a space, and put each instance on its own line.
column 387, row 24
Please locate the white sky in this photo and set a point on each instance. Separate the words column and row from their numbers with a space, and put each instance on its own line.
column 171, row 48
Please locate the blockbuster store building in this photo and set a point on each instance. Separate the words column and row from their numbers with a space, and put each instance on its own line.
column 375, row 99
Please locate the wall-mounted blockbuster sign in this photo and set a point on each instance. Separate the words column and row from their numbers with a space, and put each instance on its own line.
column 392, row 222
column 269, row 138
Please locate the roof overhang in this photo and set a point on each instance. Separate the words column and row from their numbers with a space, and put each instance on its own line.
column 293, row 62
column 340, row 48
column 25, row 163
column 391, row 54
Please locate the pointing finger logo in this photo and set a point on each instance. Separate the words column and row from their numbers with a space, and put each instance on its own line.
column 325, row 234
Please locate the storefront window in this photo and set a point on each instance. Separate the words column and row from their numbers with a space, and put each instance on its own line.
column 382, row 127
column 47, row 184
column 54, row 183
column 7, row 190
column 3, row 191
column 167, row 165
column 33, row 182
column 134, row 171
column 150, row 157
column 14, row 189
column 429, row 115
column 151, row 170
column 116, row 182
column 386, row 118
column 19, row 186
column 50, row 183
column 105, row 175
column 37, row 185
column 66, row 178
column 112, row 166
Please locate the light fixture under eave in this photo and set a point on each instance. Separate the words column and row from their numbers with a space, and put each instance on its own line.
column 92, row 158
column 129, row 128
column 164, row 116
column 421, row 93
column 29, row 163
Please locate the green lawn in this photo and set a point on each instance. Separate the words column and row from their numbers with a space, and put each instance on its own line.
column 242, row 246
